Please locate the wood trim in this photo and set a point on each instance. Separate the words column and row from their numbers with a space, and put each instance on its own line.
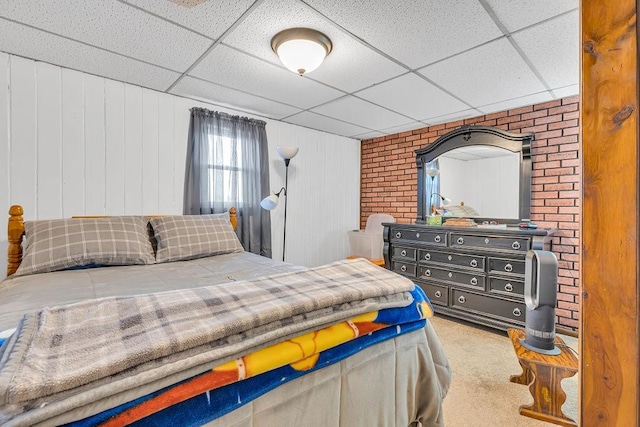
column 15, row 233
column 609, row 329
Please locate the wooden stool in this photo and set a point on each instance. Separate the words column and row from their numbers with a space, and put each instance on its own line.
column 543, row 374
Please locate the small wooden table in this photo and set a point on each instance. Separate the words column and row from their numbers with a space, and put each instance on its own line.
column 543, row 374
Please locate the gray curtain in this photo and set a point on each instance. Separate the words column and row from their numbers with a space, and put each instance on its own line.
column 228, row 165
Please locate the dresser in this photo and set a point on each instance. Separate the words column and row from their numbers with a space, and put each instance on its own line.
column 475, row 274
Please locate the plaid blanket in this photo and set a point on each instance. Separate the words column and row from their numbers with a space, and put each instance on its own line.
column 112, row 344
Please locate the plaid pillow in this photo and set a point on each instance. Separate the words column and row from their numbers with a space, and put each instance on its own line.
column 183, row 237
column 58, row 244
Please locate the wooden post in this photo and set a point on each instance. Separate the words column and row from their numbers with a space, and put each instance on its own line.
column 609, row 327
column 15, row 230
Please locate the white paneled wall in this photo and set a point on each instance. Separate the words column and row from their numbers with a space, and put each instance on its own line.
column 75, row 144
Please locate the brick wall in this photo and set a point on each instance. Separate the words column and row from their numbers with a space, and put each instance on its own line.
column 389, row 180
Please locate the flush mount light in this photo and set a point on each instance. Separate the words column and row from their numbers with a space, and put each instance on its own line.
column 301, row 50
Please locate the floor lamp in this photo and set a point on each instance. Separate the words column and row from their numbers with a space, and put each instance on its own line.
column 287, row 152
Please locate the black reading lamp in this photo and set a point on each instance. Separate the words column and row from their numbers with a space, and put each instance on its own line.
column 269, row 203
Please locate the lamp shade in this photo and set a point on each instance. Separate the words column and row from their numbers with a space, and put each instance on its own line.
column 432, row 172
column 287, row 152
column 270, row 202
column 301, row 50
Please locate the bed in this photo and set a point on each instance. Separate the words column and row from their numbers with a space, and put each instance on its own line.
column 179, row 325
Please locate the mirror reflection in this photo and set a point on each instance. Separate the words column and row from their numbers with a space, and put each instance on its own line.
column 475, row 180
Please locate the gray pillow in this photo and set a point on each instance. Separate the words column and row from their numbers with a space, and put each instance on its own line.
column 58, row 244
column 182, row 237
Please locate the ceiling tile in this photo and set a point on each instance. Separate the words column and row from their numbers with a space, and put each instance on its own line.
column 554, row 49
column 228, row 67
column 327, row 124
column 32, row 43
column 410, row 31
column 412, row 96
column 343, row 67
column 114, row 26
column 563, row 92
column 361, row 113
column 516, row 14
column 490, row 73
column 516, row 103
column 452, row 117
column 209, row 92
column 368, row 135
column 211, row 18
column 404, row 128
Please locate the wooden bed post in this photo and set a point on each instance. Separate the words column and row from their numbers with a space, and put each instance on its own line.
column 233, row 218
column 15, row 231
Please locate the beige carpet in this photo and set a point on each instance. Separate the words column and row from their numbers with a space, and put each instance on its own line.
column 481, row 394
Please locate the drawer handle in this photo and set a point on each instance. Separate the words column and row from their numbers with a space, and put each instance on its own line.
column 427, row 273
column 427, row 256
column 473, row 263
column 398, row 235
column 437, row 239
column 473, row 281
column 403, row 268
column 462, row 299
column 508, row 268
column 403, row 252
column 515, row 245
column 417, row 235
column 517, row 312
column 460, row 241
column 438, row 294
column 508, row 287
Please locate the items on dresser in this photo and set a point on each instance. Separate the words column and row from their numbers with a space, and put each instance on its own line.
column 469, row 273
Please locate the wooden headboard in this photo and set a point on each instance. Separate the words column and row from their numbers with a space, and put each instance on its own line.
column 15, row 233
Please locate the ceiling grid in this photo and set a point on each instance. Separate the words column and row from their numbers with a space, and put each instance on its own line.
column 395, row 66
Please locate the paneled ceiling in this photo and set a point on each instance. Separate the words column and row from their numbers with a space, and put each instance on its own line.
column 395, row 65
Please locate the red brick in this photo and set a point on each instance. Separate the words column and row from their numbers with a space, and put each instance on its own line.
column 548, row 104
column 549, row 119
column 518, row 111
column 509, row 119
column 564, row 109
column 534, row 115
column 564, row 124
column 571, row 100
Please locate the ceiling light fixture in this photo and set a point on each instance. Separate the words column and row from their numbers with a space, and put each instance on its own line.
column 301, row 50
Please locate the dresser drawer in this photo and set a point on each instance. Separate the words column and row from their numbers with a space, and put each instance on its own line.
column 404, row 253
column 405, row 268
column 460, row 260
column 489, row 306
column 438, row 238
column 519, row 244
column 476, row 281
column 506, row 286
column 438, row 294
column 501, row 265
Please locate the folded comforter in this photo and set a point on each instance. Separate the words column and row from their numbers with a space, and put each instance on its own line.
column 69, row 356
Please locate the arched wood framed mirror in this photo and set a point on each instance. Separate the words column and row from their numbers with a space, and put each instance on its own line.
column 482, row 171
